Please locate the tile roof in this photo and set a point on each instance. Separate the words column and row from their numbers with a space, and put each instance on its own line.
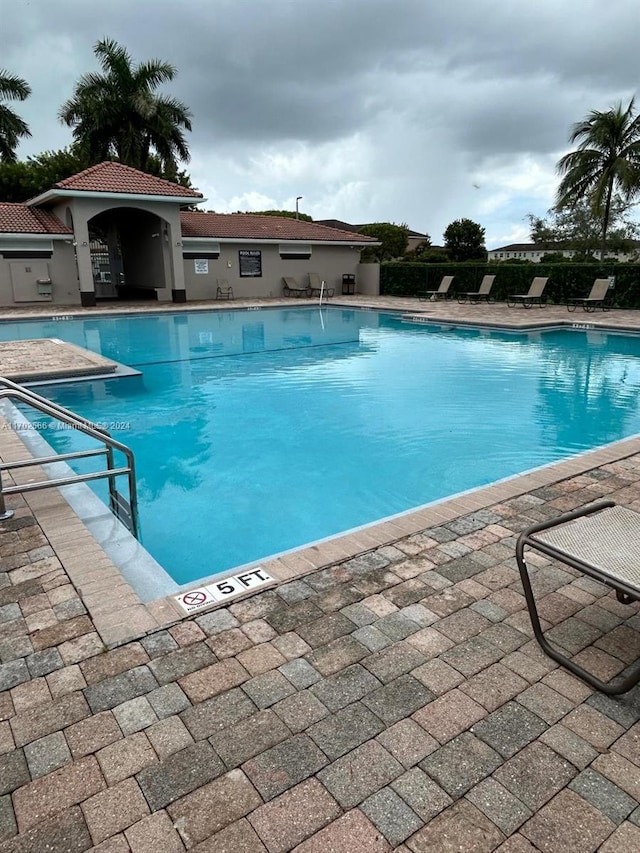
column 20, row 219
column 259, row 227
column 110, row 177
column 338, row 223
column 346, row 226
column 553, row 247
column 519, row 247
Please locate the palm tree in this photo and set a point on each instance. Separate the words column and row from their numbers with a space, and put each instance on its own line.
column 12, row 127
column 118, row 113
column 605, row 165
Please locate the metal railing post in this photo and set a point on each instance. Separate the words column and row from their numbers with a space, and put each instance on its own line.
column 12, row 390
column 5, row 514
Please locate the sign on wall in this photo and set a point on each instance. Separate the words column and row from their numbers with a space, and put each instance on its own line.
column 250, row 263
column 201, row 266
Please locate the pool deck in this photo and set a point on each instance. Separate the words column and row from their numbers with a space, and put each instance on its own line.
column 49, row 358
column 386, row 695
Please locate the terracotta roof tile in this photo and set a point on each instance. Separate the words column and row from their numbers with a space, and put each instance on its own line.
column 20, row 219
column 109, row 177
column 256, row 227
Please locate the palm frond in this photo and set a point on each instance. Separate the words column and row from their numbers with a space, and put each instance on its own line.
column 12, row 130
column 153, row 73
column 118, row 111
column 605, row 164
column 13, row 88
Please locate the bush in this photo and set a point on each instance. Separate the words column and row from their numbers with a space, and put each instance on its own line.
column 566, row 281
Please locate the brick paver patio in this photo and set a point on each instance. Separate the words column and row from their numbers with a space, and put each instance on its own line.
column 391, row 701
column 25, row 361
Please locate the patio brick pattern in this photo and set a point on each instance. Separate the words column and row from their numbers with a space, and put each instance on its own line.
column 395, row 701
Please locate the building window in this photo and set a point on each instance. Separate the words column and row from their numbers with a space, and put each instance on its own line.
column 294, row 252
column 22, row 247
column 10, row 255
column 250, row 263
column 193, row 249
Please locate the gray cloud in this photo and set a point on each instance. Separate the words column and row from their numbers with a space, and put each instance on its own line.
column 370, row 109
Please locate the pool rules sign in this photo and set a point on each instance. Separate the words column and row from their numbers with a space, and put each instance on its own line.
column 224, row 589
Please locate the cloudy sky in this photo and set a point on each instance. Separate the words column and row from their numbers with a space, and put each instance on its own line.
column 414, row 111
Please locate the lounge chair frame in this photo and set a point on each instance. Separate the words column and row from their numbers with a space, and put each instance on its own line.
column 484, row 292
column 292, row 288
column 315, row 284
column 224, row 289
column 598, row 541
column 597, row 298
column 535, row 296
column 441, row 293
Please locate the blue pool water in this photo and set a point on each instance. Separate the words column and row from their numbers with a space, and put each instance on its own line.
column 258, row 431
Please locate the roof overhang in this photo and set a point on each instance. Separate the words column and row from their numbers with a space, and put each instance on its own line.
column 269, row 241
column 28, row 235
column 53, row 195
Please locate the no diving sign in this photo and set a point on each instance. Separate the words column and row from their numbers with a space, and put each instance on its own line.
column 195, row 599
column 224, row 589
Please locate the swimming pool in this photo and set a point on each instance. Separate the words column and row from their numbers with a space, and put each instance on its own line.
column 257, row 431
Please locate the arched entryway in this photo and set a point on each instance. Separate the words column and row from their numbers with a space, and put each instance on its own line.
column 129, row 253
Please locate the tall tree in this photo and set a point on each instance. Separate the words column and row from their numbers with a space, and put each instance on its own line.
column 393, row 241
column 580, row 229
column 464, row 240
column 119, row 114
column 25, row 179
column 604, row 170
column 12, row 127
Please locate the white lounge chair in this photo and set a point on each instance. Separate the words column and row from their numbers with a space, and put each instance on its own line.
column 478, row 295
column 441, row 293
column 292, row 288
column 535, row 296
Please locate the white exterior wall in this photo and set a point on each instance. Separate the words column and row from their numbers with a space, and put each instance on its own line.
column 158, row 264
column 536, row 255
column 330, row 262
column 61, row 267
column 368, row 279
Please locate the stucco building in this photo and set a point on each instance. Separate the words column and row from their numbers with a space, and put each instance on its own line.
column 113, row 232
column 536, row 251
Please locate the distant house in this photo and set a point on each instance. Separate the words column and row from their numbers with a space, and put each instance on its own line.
column 535, row 252
column 338, row 223
column 415, row 238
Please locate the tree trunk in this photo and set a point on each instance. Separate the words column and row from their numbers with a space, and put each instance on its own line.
column 605, row 220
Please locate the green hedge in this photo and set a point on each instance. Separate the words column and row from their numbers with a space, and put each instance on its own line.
column 566, row 281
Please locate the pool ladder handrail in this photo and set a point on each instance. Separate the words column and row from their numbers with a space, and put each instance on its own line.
column 127, row 512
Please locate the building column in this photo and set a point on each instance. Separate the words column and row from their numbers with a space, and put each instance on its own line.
column 178, row 287
column 83, row 260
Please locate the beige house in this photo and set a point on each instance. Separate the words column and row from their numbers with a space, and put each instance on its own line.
column 414, row 238
column 535, row 252
column 112, row 232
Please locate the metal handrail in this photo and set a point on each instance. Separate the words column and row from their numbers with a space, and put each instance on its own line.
column 9, row 383
column 12, row 390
